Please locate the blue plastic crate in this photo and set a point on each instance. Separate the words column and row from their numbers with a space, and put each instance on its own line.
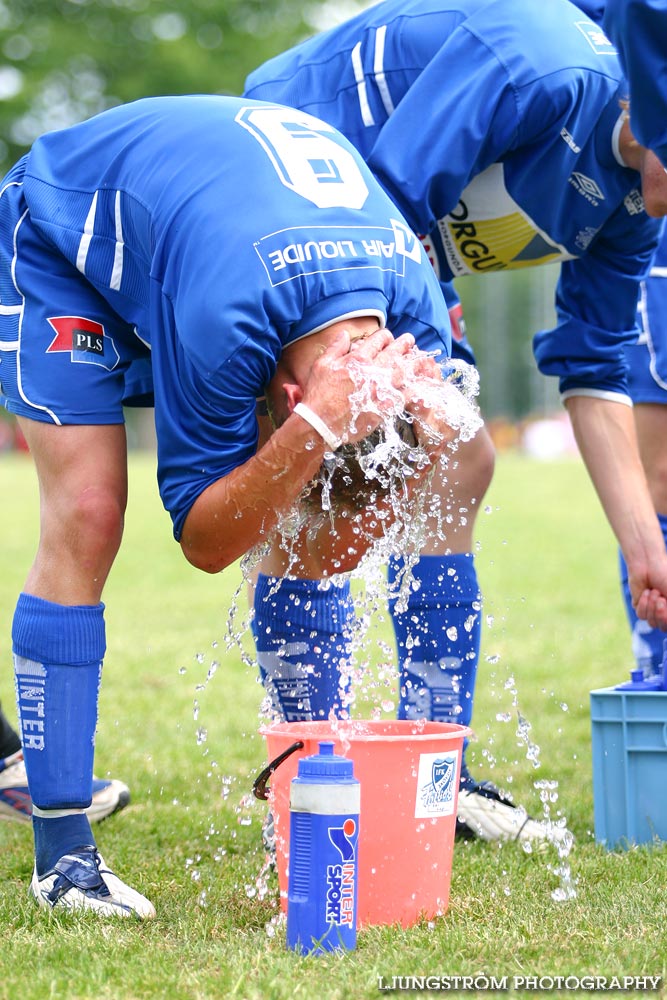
column 629, row 740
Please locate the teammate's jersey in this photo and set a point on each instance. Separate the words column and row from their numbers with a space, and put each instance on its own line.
column 593, row 8
column 494, row 127
column 221, row 230
column 647, row 358
column 639, row 29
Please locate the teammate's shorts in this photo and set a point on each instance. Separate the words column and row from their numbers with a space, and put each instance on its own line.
column 63, row 350
column 647, row 359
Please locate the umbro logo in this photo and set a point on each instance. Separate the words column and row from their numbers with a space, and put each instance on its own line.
column 587, row 187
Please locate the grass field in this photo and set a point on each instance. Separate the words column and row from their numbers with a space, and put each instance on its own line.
column 182, row 731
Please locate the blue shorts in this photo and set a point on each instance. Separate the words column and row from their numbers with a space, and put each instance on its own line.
column 647, row 359
column 63, row 350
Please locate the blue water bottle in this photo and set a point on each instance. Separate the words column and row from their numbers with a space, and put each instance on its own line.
column 323, row 861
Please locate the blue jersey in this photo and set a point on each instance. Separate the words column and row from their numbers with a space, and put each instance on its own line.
column 639, row 29
column 494, row 127
column 217, row 231
column 593, row 8
column 647, row 358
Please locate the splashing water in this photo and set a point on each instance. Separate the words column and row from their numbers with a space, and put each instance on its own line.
column 276, row 923
column 398, row 526
column 562, row 840
column 372, row 473
column 557, row 834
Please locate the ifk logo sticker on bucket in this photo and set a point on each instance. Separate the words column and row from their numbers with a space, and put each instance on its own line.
column 436, row 784
column 341, row 878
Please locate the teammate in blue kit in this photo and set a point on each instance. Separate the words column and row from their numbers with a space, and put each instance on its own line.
column 646, row 32
column 170, row 228
column 498, row 131
column 647, row 380
column 639, row 29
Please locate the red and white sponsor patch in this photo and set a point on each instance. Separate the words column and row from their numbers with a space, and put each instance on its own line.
column 76, row 333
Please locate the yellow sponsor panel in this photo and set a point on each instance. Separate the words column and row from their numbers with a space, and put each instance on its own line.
column 505, row 243
column 489, row 231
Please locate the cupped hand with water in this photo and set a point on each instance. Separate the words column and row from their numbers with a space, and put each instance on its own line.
column 357, row 384
column 426, row 394
column 442, row 415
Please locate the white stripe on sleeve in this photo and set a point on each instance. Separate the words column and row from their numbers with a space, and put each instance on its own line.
column 378, row 69
column 364, row 106
column 88, row 229
column 117, row 272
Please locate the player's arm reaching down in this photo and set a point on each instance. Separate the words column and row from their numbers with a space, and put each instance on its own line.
column 606, row 436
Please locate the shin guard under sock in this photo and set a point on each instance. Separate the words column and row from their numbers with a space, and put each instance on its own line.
column 58, row 651
column 438, row 638
column 302, row 634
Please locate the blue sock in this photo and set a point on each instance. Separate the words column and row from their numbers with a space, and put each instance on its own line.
column 302, row 634
column 55, row 836
column 438, row 638
column 58, row 653
column 647, row 642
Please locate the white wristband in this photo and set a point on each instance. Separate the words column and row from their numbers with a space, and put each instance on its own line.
column 318, row 425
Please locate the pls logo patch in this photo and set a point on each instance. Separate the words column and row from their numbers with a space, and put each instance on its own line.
column 84, row 340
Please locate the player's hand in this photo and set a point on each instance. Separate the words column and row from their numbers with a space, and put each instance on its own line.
column 353, row 386
column 652, row 608
column 647, row 579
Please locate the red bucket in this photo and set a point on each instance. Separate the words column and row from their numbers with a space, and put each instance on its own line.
column 409, row 774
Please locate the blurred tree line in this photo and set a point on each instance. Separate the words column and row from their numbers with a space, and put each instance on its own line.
column 65, row 60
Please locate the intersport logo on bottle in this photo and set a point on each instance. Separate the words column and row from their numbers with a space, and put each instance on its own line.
column 341, row 878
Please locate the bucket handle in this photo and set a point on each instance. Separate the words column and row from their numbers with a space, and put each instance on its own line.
column 259, row 789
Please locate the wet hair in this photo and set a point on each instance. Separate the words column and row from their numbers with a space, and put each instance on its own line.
column 360, row 475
